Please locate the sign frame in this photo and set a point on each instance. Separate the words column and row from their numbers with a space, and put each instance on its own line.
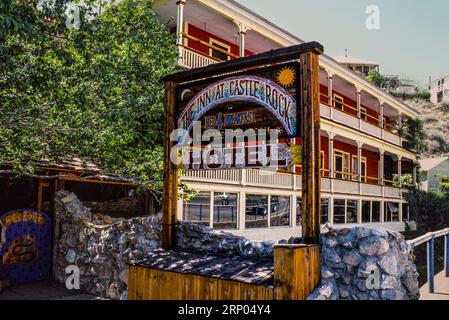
column 309, row 105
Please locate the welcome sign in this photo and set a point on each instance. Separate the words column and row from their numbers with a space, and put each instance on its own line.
column 271, row 90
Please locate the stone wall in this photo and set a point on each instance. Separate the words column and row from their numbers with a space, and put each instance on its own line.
column 366, row 264
column 102, row 246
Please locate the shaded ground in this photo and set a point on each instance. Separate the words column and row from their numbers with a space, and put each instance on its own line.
column 47, row 290
column 441, row 289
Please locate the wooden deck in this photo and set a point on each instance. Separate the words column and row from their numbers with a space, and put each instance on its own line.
column 291, row 274
column 441, row 289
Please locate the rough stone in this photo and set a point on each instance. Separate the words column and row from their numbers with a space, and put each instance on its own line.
column 373, row 246
column 351, row 257
column 70, row 256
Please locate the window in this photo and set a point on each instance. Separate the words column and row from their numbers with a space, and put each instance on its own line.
column 219, row 54
column 363, row 114
column 197, row 210
column 370, row 211
column 298, row 211
column 324, row 218
column 391, row 212
column 256, row 211
column 375, row 211
column 366, row 211
column 351, row 211
column 280, row 211
column 355, row 168
column 339, row 211
column 338, row 102
column 342, row 163
column 225, row 210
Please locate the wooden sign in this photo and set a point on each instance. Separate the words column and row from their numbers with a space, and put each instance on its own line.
column 260, row 98
column 274, row 91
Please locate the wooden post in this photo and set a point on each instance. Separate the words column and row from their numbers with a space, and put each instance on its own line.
column 170, row 187
column 310, row 128
column 296, row 271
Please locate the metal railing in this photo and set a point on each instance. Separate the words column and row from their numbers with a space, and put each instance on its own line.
column 429, row 238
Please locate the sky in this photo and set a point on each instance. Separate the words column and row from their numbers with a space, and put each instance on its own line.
column 413, row 38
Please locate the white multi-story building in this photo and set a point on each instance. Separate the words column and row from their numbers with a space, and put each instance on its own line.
column 364, row 149
column 439, row 90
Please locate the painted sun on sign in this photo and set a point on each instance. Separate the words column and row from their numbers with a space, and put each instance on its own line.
column 286, row 77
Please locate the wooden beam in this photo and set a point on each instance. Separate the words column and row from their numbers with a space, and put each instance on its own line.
column 296, row 271
column 170, row 187
column 266, row 58
column 310, row 129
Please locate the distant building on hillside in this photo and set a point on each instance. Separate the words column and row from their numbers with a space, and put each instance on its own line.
column 433, row 170
column 439, row 90
column 358, row 65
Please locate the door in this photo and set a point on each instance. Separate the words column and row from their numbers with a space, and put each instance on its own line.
column 25, row 246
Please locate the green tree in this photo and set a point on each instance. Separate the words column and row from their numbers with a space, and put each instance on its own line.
column 376, row 78
column 93, row 93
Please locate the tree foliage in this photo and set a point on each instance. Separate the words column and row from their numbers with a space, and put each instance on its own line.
column 92, row 93
column 430, row 210
column 376, row 78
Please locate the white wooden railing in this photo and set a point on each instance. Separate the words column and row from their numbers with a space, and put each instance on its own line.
column 280, row 180
column 191, row 59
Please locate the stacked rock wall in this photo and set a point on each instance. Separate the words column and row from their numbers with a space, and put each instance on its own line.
column 101, row 246
column 366, row 264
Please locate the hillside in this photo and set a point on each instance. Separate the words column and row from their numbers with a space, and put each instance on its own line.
column 435, row 120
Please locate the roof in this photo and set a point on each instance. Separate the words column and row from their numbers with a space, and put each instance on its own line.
column 354, row 60
column 235, row 268
column 430, row 163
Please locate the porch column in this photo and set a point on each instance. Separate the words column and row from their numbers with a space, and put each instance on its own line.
column 330, row 89
column 382, row 115
column 180, row 21
column 381, row 169
column 359, row 101
column 400, row 171
column 242, row 33
column 331, row 154
column 359, row 160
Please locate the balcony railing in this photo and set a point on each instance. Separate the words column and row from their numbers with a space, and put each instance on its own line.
column 189, row 58
column 347, row 116
column 287, row 181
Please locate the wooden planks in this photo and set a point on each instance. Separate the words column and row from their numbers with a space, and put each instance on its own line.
column 151, row 284
column 296, row 271
column 310, row 132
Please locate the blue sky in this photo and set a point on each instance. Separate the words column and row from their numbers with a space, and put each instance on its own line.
column 413, row 38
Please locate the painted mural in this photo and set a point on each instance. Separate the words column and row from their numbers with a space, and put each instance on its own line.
column 25, row 246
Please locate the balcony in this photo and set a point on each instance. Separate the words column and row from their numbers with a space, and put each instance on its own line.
column 287, row 181
column 189, row 58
